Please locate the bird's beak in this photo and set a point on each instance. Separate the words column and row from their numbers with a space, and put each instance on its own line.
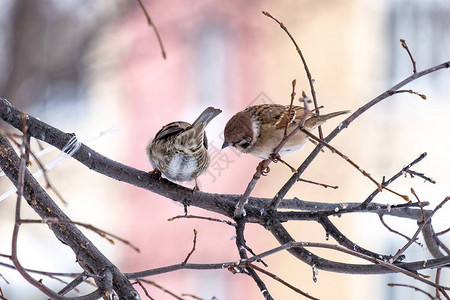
column 225, row 144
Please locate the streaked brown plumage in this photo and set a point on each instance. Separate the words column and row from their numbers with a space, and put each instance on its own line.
column 179, row 149
column 259, row 129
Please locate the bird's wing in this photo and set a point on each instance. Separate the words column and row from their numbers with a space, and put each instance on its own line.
column 171, row 129
column 279, row 113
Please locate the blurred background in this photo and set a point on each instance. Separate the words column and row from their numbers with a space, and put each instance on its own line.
column 95, row 68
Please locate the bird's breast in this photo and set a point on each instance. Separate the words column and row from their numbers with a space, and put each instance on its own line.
column 184, row 168
column 266, row 143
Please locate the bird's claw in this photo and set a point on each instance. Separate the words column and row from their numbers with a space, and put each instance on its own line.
column 196, row 188
column 155, row 172
column 262, row 169
column 275, row 157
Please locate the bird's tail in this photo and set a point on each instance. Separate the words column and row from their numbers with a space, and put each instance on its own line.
column 206, row 116
column 319, row 120
column 194, row 137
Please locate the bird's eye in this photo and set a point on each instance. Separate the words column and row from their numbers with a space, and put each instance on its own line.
column 244, row 143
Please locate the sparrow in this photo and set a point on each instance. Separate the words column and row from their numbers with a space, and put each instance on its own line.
column 179, row 149
column 259, row 129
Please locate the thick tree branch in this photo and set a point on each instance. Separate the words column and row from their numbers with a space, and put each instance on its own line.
column 90, row 258
column 346, row 242
column 241, row 245
column 283, row 237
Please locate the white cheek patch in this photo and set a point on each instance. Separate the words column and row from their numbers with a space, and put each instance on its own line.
column 255, row 128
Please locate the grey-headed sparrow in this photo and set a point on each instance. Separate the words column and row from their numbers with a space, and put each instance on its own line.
column 259, row 129
column 179, row 149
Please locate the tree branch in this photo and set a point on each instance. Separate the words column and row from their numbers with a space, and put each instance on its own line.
column 90, row 258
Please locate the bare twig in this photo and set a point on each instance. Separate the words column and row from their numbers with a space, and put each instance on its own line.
column 421, row 226
column 48, row 184
column 74, row 283
column 424, row 97
column 395, row 231
column 144, row 289
column 253, row 253
column 392, row 179
column 412, row 287
column 442, row 232
column 332, row 230
column 277, row 278
column 194, row 242
column 420, row 204
column 308, row 73
column 193, row 296
column 161, row 288
column 403, row 42
column 240, row 244
column 290, row 105
column 2, row 296
column 421, row 175
column 151, row 24
column 239, row 210
column 438, row 277
column 318, row 183
column 45, row 273
column 101, row 232
column 3, row 277
column 346, row 158
column 202, row 218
